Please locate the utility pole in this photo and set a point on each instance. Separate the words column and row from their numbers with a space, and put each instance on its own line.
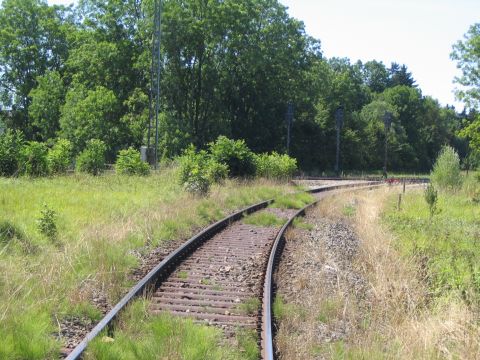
column 289, row 119
column 152, row 154
column 387, row 122
column 339, row 113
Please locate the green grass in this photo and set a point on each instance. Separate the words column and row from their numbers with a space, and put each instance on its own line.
column 300, row 223
column 447, row 245
column 293, row 201
column 282, row 310
column 145, row 337
column 263, row 218
column 102, row 221
column 183, row 275
column 250, row 306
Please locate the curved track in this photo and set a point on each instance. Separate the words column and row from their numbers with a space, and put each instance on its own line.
column 218, row 276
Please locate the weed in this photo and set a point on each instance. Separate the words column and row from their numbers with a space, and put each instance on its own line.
column 300, row 223
column 248, row 342
column 431, row 197
column 250, row 306
column 183, row 275
column 263, row 218
column 162, row 337
column 47, row 223
column 293, row 201
column 205, row 281
column 349, row 210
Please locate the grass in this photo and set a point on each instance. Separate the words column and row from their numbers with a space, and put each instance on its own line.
column 102, row 223
column 141, row 336
column 293, row 201
column 413, row 304
column 447, row 245
column 250, row 306
column 183, row 275
column 300, row 223
column 263, row 218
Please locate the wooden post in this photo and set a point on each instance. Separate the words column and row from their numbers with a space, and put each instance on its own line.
column 399, row 202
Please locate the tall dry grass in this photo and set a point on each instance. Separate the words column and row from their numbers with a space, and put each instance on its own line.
column 379, row 306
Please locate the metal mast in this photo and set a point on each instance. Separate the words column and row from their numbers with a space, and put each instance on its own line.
column 155, row 80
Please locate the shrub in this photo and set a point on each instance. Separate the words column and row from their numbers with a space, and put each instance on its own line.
column 198, row 170
column 275, row 166
column 471, row 187
column 92, row 159
column 235, row 154
column 11, row 143
column 46, row 223
column 34, row 159
column 129, row 162
column 446, row 171
column 59, row 157
column 431, row 197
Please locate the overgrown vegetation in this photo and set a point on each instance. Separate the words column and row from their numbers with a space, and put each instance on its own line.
column 130, row 163
column 446, row 170
column 164, row 336
column 101, row 222
column 92, row 159
column 263, row 218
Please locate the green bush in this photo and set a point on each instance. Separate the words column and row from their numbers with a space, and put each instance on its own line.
column 60, row 157
column 198, row 170
column 446, row 171
column 34, row 159
column 92, row 159
column 275, row 166
column 235, row 154
column 11, row 143
column 471, row 187
column 129, row 162
column 431, row 197
column 47, row 223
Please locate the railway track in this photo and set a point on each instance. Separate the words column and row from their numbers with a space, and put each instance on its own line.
column 221, row 277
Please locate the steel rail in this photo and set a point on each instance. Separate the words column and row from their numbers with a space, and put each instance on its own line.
column 267, row 349
column 155, row 276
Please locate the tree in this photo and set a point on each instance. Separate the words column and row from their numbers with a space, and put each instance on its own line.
column 467, row 55
column 32, row 41
column 47, row 100
column 91, row 114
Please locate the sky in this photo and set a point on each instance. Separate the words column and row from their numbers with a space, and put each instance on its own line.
column 417, row 33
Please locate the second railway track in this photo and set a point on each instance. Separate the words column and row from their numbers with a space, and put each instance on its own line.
column 218, row 276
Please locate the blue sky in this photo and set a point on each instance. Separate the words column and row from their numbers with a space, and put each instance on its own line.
column 418, row 33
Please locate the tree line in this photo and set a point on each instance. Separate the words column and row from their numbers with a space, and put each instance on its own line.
column 227, row 68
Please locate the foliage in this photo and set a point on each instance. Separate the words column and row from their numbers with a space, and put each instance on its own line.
column 47, row 100
column 34, row 159
column 467, row 55
column 446, row 246
column 60, row 157
column 130, row 163
column 46, row 223
column 92, row 159
column 431, row 197
column 11, row 143
column 235, row 154
column 471, row 187
column 446, row 171
column 275, row 166
column 90, row 114
column 198, row 170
